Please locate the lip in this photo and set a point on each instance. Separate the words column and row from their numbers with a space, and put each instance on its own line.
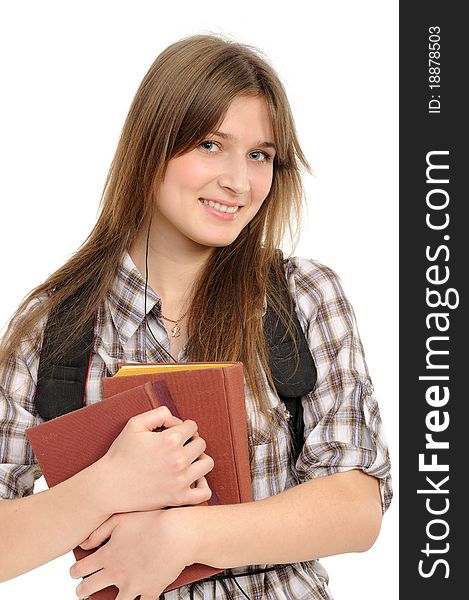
column 225, row 202
column 223, row 216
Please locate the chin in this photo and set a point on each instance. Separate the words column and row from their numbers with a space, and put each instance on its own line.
column 218, row 244
column 216, row 241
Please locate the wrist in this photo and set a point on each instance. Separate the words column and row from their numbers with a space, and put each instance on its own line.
column 185, row 522
column 95, row 481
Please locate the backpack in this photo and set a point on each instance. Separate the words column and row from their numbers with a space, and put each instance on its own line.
column 60, row 387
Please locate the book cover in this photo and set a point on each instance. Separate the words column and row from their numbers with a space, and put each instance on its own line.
column 212, row 396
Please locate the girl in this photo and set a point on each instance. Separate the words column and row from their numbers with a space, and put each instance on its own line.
column 205, row 183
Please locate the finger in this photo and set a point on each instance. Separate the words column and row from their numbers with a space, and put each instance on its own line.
column 100, row 534
column 200, row 467
column 194, row 448
column 202, row 484
column 92, row 584
column 183, row 432
column 152, row 419
column 86, row 566
column 201, row 492
column 125, row 594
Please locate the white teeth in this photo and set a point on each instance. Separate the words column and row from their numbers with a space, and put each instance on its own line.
column 220, row 207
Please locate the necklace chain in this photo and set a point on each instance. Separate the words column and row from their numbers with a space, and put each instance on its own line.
column 176, row 330
column 172, row 320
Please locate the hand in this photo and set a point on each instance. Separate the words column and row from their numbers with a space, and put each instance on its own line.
column 146, row 470
column 145, row 553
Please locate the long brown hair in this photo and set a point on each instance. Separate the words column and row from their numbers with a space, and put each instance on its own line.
column 183, row 97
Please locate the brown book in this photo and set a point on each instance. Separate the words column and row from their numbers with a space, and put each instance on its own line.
column 212, row 394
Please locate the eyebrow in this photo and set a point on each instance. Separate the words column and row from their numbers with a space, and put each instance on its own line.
column 232, row 138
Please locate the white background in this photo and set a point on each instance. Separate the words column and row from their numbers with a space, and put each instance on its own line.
column 69, row 71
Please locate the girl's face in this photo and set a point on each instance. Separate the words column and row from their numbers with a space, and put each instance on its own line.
column 232, row 168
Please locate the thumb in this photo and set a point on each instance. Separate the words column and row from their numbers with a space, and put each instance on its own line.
column 100, row 534
column 152, row 419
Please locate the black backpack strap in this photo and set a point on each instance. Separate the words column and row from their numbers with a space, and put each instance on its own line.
column 61, row 387
column 294, row 374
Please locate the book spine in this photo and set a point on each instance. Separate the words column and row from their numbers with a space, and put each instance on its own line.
column 234, row 386
column 159, row 395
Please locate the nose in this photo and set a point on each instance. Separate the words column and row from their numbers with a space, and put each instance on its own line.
column 235, row 176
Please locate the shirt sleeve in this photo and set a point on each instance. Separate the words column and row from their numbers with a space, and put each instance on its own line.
column 18, row 466
column 343, row 428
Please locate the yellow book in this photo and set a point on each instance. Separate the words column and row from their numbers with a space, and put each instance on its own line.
column 145, row 368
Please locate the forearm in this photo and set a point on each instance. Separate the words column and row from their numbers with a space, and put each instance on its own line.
column 43, row 526
column 322, row 517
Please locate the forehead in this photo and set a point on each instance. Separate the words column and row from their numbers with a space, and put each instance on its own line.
column 247, row 117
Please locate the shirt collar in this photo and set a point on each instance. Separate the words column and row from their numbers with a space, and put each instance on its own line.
column 126, row 299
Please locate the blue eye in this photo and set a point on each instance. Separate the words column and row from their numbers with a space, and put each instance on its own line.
column 210, row 143
column 264, row 156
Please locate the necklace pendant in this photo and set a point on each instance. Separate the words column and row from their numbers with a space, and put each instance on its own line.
column 176, row 331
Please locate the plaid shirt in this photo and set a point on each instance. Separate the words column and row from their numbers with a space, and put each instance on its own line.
column 342, row 423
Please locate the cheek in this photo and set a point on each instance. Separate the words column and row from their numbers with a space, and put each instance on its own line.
column 191, row 173
column 263, row 183
column 184, row 174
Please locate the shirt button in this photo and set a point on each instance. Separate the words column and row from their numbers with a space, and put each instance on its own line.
column 369, row 388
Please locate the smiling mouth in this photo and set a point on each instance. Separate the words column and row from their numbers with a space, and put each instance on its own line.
column 223, row 208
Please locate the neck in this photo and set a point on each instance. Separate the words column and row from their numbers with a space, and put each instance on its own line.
column 173, row 265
